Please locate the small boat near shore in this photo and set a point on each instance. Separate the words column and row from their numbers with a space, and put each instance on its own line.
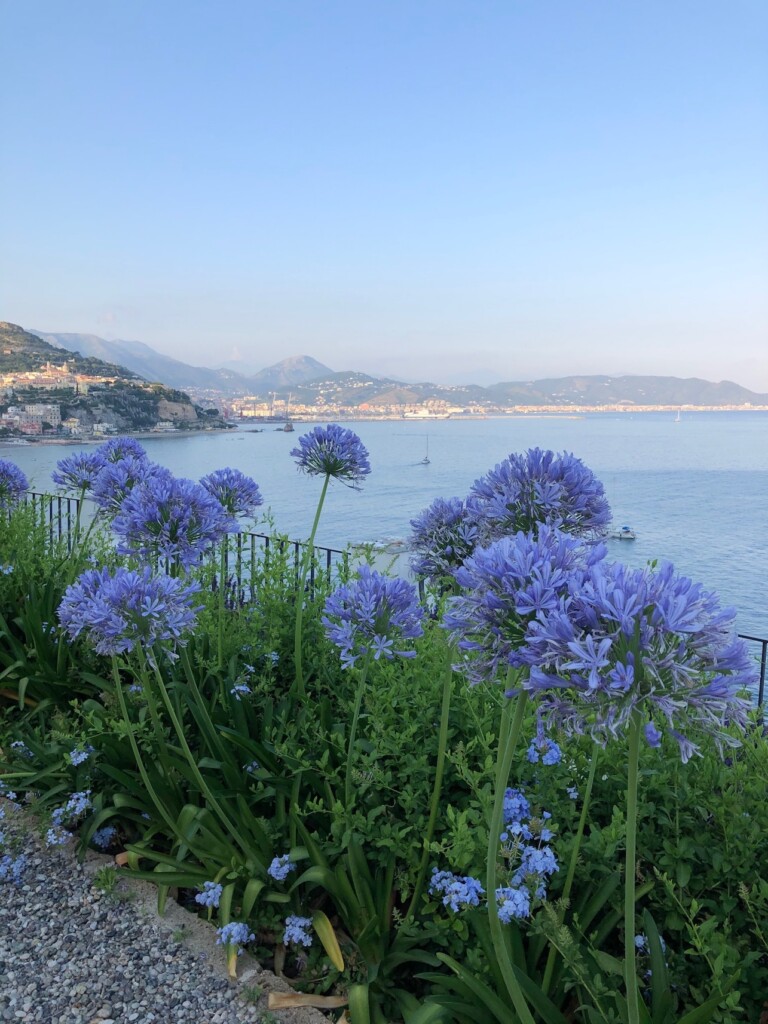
column 625, row 533
column 384, row 546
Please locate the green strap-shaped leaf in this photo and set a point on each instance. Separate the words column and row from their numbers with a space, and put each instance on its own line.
column 327, row 936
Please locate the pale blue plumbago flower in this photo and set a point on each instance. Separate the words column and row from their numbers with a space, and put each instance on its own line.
column 13, row 484
column 79, row 755
column 12, row 868
column 240, row 690
column 104, row 837
column 514, row 903
column 335, row 452
column 210, row 895
column 297, row 931
column 117, row 479
column 78, row 472
column 508, row 586
column 539, row 487
column 238, row 494
column 234, row 934
column 544, row 749
column 167, row 517
column 281, row 867
column 5, row 570
column 252, row 767
column 641, row 640
column 119, row 448
column 57, row 836
column 444, row 535
column 373, row 614
column 20, row 748
column 116, row 611
column 456, row 891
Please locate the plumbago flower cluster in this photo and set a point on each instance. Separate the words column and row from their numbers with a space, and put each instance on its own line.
column 527, row 857
column 373, row 614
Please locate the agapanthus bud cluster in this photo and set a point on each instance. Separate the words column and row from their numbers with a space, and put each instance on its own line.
column 373, row 614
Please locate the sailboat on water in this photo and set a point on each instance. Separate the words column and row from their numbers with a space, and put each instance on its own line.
column 425, row 460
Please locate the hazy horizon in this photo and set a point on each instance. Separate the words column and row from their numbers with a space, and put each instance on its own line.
column 442, row 191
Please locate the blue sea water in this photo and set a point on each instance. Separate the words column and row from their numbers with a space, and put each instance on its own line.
column 695, row 491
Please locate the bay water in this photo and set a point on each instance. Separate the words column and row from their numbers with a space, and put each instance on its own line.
column 694, row 489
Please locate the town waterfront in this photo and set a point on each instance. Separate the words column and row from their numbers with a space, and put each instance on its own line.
column 694, row 490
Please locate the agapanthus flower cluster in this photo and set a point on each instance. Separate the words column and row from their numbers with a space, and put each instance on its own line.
column 237, row 493
column 335, row 452
column 118, row 478
column 444, row 535
column 118, row 610
column 373, row 614
column 539, row 487
column 645, row 641
column 234, row 934
column 166, row 517
column 78, row 472
column 117, row 449
column 13, row 484
column 458, row 892
column 210, row 895
column 297, row 931
column 506, row 587
column 281, row 867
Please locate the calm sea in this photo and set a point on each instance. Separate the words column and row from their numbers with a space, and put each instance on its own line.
column 694, row 490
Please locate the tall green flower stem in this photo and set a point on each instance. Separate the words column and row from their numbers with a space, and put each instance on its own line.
column 161, row 808
column 552, row 955
column 353, row 734
column 509, row 735
column 442, row 743
column 205, row 789
column 630, row 968
column 223, row 575
column 306, row 561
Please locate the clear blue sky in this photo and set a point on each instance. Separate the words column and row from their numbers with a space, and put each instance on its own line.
column 434, row 189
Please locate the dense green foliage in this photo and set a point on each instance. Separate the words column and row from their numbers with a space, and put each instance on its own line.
column 204, row 784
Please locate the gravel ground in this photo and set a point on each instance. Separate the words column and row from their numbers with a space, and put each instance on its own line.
column 71, row 954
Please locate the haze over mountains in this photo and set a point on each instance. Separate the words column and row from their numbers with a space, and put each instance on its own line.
column 306, row 379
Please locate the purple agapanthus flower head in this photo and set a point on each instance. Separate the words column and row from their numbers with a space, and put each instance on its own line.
column 169, row 517
column 119, row 448
column 333, row 451
column 78, row 472
column 507, row 586
column 373, row 614
column 238, row 493
column 535, row 487
column 641, row 641
column 117, row 610
column 118, row 478
column 13, row 483
column 444, row 535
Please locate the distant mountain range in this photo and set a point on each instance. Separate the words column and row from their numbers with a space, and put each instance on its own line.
column 307, row 380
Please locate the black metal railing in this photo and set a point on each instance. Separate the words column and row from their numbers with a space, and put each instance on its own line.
column 247, row 552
